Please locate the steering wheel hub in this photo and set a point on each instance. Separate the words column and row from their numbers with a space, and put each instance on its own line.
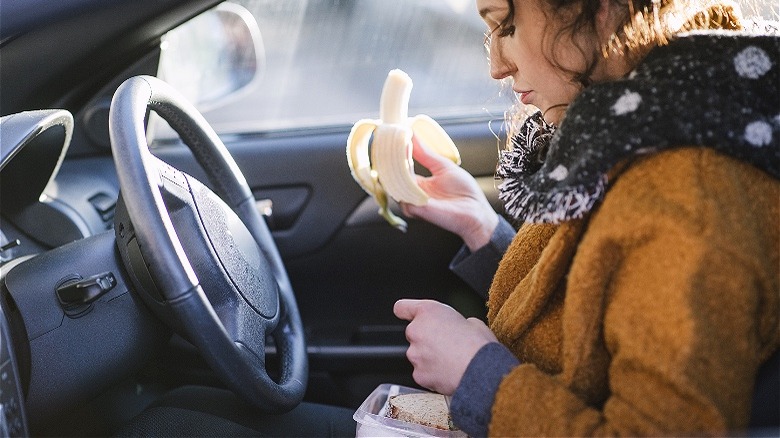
column 237, row 252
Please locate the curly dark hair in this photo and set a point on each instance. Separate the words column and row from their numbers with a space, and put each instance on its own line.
column 642, row 26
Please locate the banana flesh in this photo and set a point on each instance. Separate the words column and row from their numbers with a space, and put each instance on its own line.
column 379, row 152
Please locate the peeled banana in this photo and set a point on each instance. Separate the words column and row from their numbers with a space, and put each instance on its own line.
column 390, row 168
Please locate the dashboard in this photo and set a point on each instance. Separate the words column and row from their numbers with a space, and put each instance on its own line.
column 34, row 145
column 39, row 213
column 12, row 413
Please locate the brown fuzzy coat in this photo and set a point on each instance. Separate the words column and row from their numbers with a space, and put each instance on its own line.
column 651, row 316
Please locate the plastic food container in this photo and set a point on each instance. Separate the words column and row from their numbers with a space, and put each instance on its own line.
column 372, row 422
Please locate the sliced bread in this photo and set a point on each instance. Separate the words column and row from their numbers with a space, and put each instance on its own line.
column 427, row 409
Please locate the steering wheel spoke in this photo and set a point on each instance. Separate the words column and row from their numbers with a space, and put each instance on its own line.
column 204, row 261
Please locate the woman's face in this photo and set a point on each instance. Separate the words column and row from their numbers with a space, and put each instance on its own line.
column 522, row 50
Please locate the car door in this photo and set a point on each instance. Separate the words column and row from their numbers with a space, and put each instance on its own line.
column 320, row 67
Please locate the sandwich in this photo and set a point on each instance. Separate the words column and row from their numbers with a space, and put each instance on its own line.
column 427, row 409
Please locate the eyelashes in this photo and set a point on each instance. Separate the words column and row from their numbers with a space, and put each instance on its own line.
column 506, row 31
column 501, row 32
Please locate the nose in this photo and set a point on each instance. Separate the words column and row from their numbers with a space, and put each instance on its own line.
column 500, row 67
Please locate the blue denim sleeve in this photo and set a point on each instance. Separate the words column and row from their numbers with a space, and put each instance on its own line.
column 472, row 401
column 478, row 268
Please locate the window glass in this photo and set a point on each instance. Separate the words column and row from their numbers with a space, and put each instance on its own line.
column 323, row 63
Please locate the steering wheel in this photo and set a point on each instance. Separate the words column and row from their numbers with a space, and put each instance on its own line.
column 206, row 264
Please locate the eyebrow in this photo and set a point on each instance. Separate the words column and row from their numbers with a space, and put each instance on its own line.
column 487, row 10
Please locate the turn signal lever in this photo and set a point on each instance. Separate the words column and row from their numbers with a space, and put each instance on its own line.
column 84, row 291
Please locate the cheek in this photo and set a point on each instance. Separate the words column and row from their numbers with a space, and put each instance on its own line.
column 530, row 60
column 576, row 53
column 527, row 47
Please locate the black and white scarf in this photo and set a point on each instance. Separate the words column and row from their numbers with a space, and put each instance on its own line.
column 713, row 89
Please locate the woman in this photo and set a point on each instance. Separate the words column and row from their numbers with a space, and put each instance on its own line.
column 640, row 295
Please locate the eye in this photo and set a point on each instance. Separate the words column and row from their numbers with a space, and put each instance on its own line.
column 506, row 31
column 501, row 32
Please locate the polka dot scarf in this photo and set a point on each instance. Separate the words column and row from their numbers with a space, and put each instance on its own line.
column 714, row 89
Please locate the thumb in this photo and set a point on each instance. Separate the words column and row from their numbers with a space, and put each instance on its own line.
column 406, row 309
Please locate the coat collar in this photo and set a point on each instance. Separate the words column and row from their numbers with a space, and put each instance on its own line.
column 712, row 89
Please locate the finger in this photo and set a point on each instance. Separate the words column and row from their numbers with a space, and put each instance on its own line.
column 406, row 309
column 411, row 210
column 427, row 158
column 415, row 211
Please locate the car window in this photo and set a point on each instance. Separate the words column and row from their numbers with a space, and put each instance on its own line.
column 323, row 63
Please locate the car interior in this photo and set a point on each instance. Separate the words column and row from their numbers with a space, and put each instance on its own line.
column 85, row 348
column 145, row 247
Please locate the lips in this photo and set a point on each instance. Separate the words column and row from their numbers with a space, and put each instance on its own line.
column 525, row 96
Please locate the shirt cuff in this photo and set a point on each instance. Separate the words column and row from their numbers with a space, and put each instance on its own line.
column 478, row 268
column 472, row 401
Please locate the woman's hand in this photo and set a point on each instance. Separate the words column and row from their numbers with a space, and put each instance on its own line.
column 456, row 203
column 442, row 342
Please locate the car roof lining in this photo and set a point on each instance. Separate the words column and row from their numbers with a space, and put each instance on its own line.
column 46, row 57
